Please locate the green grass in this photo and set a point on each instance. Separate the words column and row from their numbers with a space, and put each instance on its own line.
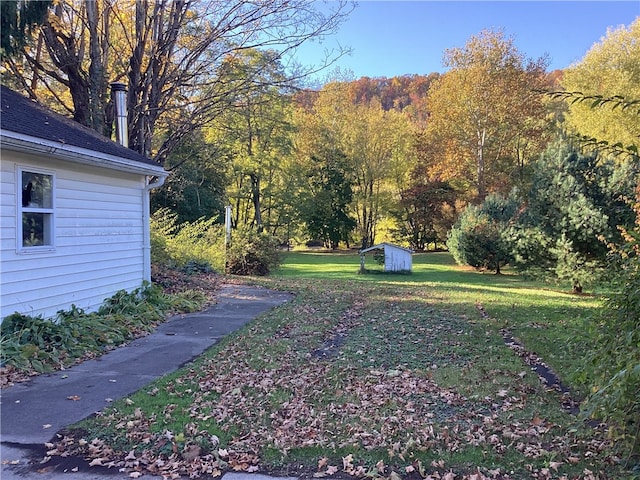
column 374, row 374
column 548, row 319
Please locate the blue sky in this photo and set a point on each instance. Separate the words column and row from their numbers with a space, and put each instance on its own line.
column 391, row 37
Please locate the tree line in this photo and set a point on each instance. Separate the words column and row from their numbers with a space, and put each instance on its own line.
column 214, row 98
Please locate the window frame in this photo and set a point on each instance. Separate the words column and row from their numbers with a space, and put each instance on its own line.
column 48, row 212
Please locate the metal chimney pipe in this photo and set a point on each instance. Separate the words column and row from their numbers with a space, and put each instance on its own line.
column 119, row 98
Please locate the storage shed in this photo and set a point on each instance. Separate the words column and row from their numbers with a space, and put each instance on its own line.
column 74, row 212
column 396, row 258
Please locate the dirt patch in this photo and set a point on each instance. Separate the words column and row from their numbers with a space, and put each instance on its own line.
column 338, row 335
column 548, row 377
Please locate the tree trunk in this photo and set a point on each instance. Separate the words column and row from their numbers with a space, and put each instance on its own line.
column 255, row 198
column 61, row 49
column 97, row 80
column 480, row 153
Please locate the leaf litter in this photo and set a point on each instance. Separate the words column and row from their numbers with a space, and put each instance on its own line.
column 371, row 406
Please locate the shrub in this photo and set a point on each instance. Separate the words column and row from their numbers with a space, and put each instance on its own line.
column 185, row 245
column 37, row 344
column 616, row 360
column 478, row 237
column 252, row 253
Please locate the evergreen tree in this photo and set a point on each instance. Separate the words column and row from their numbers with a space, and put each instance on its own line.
column 18, row 19
column 477, row 239
column 574, row 208
column 196, row 187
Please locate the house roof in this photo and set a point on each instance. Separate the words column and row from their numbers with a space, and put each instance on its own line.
column 382, row 245
column 32, row 122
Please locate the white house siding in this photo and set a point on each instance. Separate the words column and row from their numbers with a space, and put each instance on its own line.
column 98, row 239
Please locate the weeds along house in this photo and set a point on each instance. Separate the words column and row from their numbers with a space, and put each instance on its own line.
column 74, row 212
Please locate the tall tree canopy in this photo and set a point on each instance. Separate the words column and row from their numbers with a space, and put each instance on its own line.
column 485, row 118
column 256, row 132
column 167, row 52
column 611, row 68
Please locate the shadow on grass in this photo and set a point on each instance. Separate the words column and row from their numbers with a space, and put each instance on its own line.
column 547, row 321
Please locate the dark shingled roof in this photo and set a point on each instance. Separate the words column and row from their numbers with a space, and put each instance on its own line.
column 26, row 117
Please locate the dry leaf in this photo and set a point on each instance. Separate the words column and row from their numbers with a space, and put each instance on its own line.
column 332, row 470
column 555, row 465
column 347, row 462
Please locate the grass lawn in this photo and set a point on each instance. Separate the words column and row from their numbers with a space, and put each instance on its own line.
column 375, row 375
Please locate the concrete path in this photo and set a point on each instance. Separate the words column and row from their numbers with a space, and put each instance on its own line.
column 32, row 412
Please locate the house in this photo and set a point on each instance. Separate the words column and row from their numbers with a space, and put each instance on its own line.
column 74, row 212
column 396, row 258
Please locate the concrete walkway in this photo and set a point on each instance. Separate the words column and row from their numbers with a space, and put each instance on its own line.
column 32, row 412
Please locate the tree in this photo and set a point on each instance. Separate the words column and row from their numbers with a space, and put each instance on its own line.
column 326, row 209
column 18, row 20
column 378, row 144
column 478, row 237
column 606, row 77
column 485, row 119
column 256, row 130
column 573, row 210
column 427, row 213
column 197, row 184
column 167, row 52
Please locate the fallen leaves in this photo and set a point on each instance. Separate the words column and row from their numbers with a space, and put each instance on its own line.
column 267, row 389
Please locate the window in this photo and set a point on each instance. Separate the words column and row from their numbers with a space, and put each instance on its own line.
column 36, row 213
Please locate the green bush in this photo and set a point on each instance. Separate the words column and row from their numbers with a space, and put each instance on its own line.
column 616, row 359
column 252, row 253
column 478, row 237
column 187, row 244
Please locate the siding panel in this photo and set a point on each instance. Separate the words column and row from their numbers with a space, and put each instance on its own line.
column 98, row 239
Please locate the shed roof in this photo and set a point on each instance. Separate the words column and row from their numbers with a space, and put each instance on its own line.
column 381, row 246
column 26, row 117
